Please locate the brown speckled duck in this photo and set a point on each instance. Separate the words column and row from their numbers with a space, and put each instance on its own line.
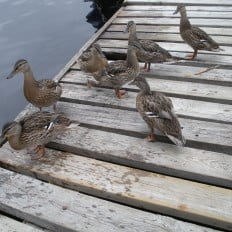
column 150, row 51
column 157, row 111
column 93, row 60
column 194, row 36
column 118, row 73
column 34, row 131
column 41, row 93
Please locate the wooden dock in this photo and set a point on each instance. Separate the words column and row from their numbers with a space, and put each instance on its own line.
column 105, row 176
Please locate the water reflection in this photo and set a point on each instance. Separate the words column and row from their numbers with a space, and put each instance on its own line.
column 47, row 33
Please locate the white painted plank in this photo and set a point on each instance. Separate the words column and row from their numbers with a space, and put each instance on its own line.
column 170, row 8
column 64, row 210
column 154, row 192
column 170, row 29
column 176, row 21
column 10, row 225
column 161, row 37
column 169, row 13
column 187, row 2
column 183, row 107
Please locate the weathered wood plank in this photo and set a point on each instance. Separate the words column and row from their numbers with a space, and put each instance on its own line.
column 195, row 91
column 10, row 225
column 175, row 21
column 214, row 59
column 161, row 37
column 199, row 134
column 169, row 13
column 170, row 8
column 154, row 192
column 64, row 210
column 173, row 47
column 170, row 29
column 176, row 71
column 175, row 2
column 183, row 107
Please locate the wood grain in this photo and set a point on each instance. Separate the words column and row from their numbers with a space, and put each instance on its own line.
column 154, row 192
column 63, row 210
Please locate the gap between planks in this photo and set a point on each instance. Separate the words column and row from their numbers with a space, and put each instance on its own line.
column 150, row 191
column 78, row 212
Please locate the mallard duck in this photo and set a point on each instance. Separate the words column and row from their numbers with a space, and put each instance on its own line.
column 157, row 111
column 194, row 36
column 150, row 51
column 93, row 60
column 41, row 93
column 34, row 131
column 119, row 72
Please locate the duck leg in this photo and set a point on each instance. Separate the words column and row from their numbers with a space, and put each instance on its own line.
column 54, row 107
column 119, row 93
column 151, row 136
column 149, row 67
column 192, row 56
column 145, row 66
column 40, row 150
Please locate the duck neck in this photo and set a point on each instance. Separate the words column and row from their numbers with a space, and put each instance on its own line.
column 14, row 140
column 29, row 79
column 145, row 89
column 184, row 22
column 133, row 35
column 131, row 59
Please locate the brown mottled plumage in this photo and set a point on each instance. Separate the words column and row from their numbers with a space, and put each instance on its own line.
column 41, row 93
column 157, row 111
column 150, row 51
column 34, row 131
column 194, row 36
column 93, row 60
column 119, row 72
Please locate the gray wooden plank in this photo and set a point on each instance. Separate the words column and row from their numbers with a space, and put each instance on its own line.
column 176, row 71
column 199, row 134
column 184, row 107
column 170, row 29
column 151, row 191
column 175, row 2
column 183, row 89
column 172, row 47
column 10, row 225
column 161, row 37
column 164, row 13
column 176, row 21
column 64, row 210
column 171, row 7
column 114, row 52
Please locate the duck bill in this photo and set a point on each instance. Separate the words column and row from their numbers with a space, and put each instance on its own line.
column 3, row 140
column 11, row 75
column 126, row 30
column 175, row 12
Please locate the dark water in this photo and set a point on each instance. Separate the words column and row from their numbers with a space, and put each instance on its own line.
column 45, row 32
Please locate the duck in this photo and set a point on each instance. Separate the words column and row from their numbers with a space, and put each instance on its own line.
column 158, row 112
column 93, row 60
column 119, row 72
column 34, row 131
column 150, row 51
column 40, row 93
column 194, row 36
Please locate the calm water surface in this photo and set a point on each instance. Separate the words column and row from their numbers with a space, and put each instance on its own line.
column 45, row 32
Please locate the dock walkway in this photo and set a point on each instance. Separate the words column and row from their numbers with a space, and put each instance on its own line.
column 105, row 176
